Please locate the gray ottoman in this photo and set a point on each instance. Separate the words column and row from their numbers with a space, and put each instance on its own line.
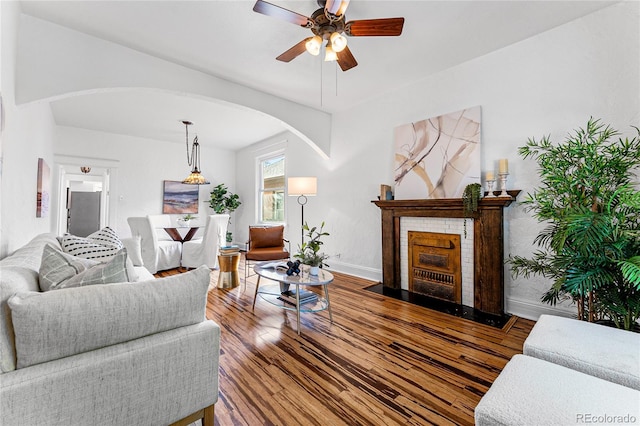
column 608, row 353
column 530, row 391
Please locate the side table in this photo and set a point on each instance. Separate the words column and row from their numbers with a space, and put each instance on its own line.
column 273, row 293
column 228, row 276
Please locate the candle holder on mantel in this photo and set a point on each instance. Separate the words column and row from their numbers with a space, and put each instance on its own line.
column 490, row 183
column 503, row 185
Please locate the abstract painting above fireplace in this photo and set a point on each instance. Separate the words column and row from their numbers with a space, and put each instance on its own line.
column 437, row 157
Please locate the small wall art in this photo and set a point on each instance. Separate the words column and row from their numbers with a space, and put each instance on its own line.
column 43, row 189
column 179, row 198
column 437, row 157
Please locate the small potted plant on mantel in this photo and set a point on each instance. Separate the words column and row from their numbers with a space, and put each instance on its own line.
column 309, row 253
column 470, row 200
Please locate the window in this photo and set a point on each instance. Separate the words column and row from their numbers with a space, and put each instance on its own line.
column 271, row 193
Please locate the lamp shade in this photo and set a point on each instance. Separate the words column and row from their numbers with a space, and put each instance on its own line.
column 330, row 54
column 302, row 186
column 338, row 42
column 195, row 178
column 313, row 45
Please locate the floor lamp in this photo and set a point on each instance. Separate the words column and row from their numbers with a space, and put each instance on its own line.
column 303, row 187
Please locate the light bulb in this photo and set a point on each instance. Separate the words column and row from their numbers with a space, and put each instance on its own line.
column 330, row 54
column 338, row 42
column 313, row 45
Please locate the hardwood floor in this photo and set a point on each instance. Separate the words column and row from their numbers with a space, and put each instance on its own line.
column 381, row 362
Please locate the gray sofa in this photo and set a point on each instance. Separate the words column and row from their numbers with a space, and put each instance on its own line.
column 138, row 353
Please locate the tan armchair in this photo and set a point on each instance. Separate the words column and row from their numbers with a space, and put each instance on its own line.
column 265, row 243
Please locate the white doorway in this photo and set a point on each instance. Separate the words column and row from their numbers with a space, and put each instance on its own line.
column 84, row 202
column 83, row 196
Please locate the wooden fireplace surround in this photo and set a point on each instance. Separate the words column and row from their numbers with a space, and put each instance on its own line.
column 488, row 237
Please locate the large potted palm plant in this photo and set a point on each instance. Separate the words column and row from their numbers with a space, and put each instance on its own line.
column 590, row 247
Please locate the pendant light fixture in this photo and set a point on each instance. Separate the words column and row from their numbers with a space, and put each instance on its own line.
column 193, row 160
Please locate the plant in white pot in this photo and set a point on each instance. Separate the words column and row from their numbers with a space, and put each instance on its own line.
column 309, row 252
column 185, row 220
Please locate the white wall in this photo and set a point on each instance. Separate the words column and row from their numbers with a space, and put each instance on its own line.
column 27, row 136
column 300, row 160
column 142, row 166
column 56, row 61
column 548, row 84
column 246, row 181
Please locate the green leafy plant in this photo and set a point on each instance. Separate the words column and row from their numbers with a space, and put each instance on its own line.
column 470, row 199
column 189, row 217
column 222, row 201
column 309, row 252
column 590, row 247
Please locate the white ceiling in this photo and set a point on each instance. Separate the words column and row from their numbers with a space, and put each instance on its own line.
column 228, row 40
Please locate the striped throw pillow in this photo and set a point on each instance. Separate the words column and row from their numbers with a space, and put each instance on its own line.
column 107, row 237
column 101, row 245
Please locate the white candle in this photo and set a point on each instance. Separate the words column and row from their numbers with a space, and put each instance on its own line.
column 490, row 176
column 503, row 166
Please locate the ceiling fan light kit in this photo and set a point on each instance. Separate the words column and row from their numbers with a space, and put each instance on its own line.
column 334, row 9
column 313, row 45
column 330, row 54
column 338, row 42
column 328, row 23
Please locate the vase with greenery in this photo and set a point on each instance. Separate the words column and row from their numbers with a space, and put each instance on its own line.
column 470, row 200
column 590, row 247
column 223, row 201
column 186, row 219
column 309, row 252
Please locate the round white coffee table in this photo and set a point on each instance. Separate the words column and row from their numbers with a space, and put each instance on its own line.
column 285, row 296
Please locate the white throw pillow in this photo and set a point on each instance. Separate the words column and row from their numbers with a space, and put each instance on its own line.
column 107, row 237
column 101, row 245
column 134, row 249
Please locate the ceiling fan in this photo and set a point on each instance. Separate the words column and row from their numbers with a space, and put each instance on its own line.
column 328, row 24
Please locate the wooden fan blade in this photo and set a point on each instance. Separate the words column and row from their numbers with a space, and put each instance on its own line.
column 294, row 52
column 374, row 27
column 346, row 59
column 336, row 8
column 281, row 13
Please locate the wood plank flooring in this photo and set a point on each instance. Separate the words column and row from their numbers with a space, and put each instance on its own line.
column 381, row 362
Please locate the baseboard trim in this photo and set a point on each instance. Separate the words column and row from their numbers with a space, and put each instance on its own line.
column 515, row 306
column 355, row 270
column 532, row 310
